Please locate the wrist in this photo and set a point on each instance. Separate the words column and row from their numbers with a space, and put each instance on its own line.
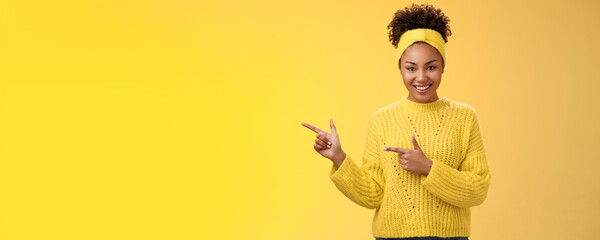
column 338, row 159
column 430, row 165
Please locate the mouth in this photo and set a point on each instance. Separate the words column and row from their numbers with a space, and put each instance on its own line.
column 422, row 88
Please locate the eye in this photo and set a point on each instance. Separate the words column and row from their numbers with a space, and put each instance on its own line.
column 410, row 68
column 431, row 67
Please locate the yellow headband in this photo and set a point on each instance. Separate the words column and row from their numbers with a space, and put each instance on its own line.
column 432, row 37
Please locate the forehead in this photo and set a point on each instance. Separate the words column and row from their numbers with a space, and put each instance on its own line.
column 421, row 52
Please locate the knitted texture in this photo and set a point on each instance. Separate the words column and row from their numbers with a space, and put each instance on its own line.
column 412, row 205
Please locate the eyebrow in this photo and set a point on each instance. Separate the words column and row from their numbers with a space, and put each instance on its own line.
column 425, row 63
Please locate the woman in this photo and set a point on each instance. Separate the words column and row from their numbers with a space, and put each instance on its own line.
column 424, row 163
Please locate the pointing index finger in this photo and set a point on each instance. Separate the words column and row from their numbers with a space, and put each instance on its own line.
column 396, row 149
column 311, row 127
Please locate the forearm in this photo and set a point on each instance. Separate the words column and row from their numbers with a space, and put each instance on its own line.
column 363, row 185
column 459, row 188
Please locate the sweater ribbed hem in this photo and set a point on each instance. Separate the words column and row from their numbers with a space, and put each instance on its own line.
column 443, row 233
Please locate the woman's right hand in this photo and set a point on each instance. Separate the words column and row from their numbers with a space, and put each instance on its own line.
column 328, row 144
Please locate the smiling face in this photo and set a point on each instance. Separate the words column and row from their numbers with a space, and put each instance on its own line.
column 421, row 68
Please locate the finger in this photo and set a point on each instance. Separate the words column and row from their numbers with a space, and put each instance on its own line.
column 403, row 165
column 318, row 147
column 323, row 137
column 311, row 127
column 415, row 143
column 332, row 126
column 321, row 142
column 396, row 149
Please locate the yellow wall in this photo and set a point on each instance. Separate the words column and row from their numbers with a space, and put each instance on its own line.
column 181, row 119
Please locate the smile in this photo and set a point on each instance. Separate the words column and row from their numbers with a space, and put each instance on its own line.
column 422, row 88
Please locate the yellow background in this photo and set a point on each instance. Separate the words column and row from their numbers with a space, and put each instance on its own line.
column 181, row 119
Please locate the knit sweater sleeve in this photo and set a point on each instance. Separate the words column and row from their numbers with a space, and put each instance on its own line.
column 468, row 185
column 363, row 185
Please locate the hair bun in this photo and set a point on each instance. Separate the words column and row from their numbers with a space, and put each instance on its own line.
column 418, row 16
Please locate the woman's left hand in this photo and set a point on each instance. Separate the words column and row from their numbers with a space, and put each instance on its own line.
column 412, row 160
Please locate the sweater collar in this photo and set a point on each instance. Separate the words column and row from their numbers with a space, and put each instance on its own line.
column 424, row 107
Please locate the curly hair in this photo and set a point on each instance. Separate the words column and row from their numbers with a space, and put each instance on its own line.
column 418, row 16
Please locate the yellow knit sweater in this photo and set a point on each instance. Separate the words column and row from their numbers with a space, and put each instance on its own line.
column 412, row 205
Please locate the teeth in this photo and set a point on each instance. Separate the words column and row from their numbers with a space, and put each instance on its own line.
column 423, row 88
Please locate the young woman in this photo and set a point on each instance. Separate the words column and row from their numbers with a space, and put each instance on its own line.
column 424, row 163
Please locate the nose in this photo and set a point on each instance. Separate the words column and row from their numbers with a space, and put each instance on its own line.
column 420, row 75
